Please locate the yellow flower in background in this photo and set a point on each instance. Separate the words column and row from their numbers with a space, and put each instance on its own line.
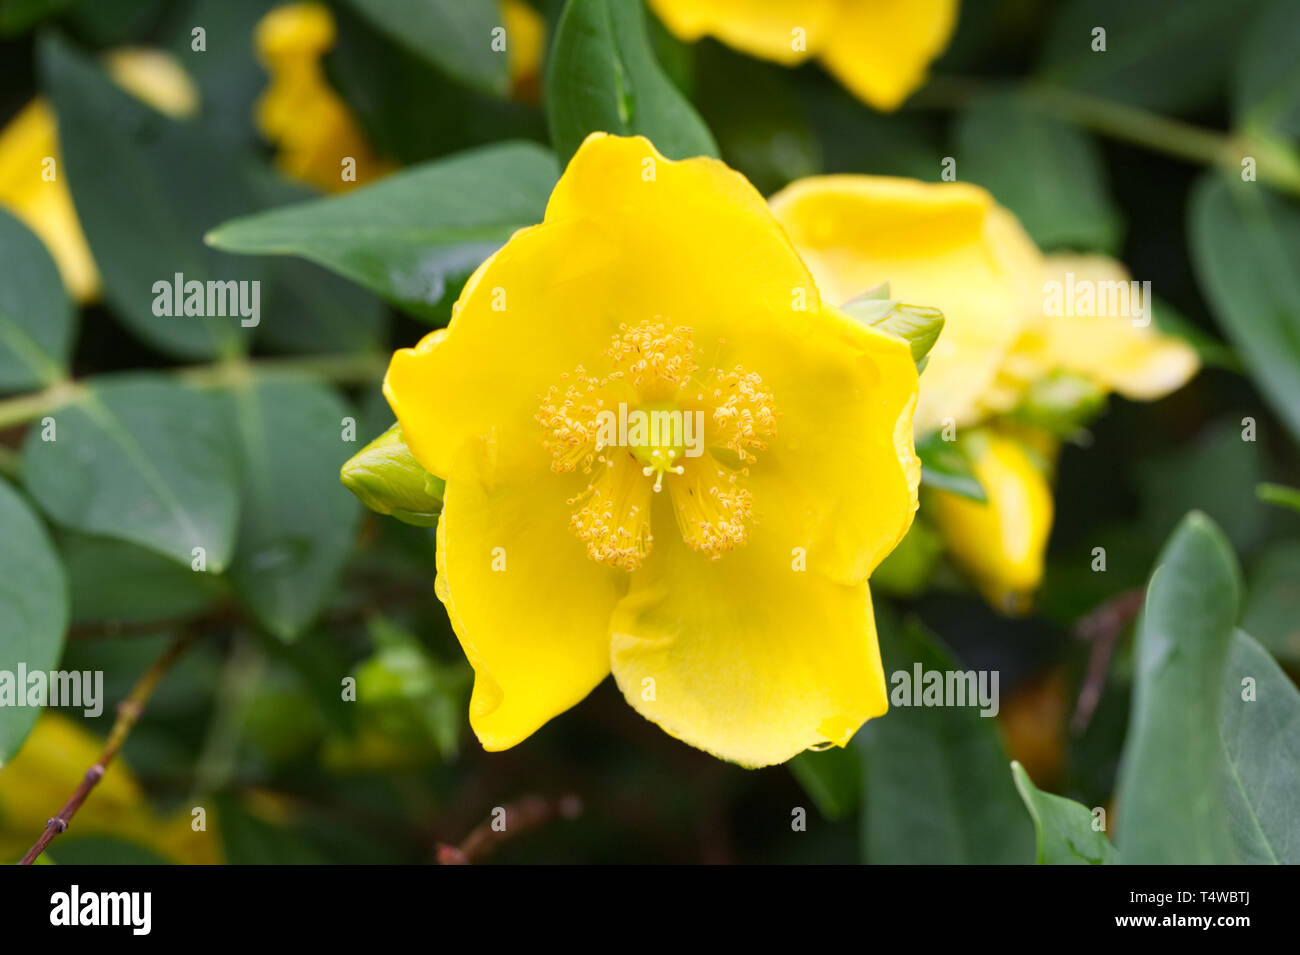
column 1007, row 333
column 32, row 183
column 719, row 573
column 879, row 49
column 49, row 768
column 525, row 44
column 311, row 126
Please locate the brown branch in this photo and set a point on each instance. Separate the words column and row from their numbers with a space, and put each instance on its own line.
column 1102, row 627
column 529, row 813
column 128, row 714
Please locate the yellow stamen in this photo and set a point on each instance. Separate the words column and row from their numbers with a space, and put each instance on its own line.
column 653, row 364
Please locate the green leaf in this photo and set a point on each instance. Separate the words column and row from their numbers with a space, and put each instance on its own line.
column 297, row 522
column 386, row 478
column 1171, row 806
column 33, row 610
column 602, row 76
column 1063, row 827
column 417, row 234
column 832, row 777
column 1272, row 612
column 1243, row 241
column 112, row 581
column 944, row 466
column 1047, row 172
column 1279, row 494
column 453, row 35
column 139, row 458
column 1164, row 55
column 1266, row 94
column 918, row 325
column 146, row 187
column 935, row 783
column 307, row 309
column 37, row 320
column 1259, row 726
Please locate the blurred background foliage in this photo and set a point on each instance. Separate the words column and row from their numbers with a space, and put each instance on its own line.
column 305, row 588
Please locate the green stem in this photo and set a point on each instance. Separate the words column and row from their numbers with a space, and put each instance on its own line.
column 1171, row 137
column 341, row 369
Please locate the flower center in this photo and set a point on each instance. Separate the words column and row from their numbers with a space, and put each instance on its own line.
column 657, row 421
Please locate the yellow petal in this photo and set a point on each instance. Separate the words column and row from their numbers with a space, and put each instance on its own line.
column 747, row 658
column 529, row 607
column 946, row 245
column 525, row 42
column 881, row 49
column 312, row 127
column 1113, row 345
column 1002, row 542
column 45, row 206
column 781, row 30
column 156, row 78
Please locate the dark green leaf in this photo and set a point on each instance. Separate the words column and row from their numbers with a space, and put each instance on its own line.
column 415, row 234
column 453, row 35
column 37, row 321
column 112, row 581
column 1164, row 55
column 1267, row 89
column 146, row 187
column 935, row 783
column 33, row 611
column 1048, row 173
column 1244, row 240
column 142, row 459
column 298, row 520
column 602, row 76
column 1172, row 808
column 1259, row 725
column 832, row 777
column 1064, row 828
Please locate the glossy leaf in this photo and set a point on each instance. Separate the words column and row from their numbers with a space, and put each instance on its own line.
column 1243, row 240
column 415, row 236
column 602, row 76
column 297, row 519
column 143, row 459
column 1259, row 725
column 37, row 321
column 1172, row 808
column 33, row 612
column 1063, row 827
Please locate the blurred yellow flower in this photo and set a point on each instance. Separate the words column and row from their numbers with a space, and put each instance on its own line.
column 525, row 43
column 317, row 138
column 731, row 606
column 32, row 184
column 1015, row 319
column 49, row 768
column 879, row 49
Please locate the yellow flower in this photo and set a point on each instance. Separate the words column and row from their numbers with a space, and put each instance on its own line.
column 1014, row 320
column 1002, row 541
column 879, row 49
column 525, row 42
column 49, row 768
column 311, row 126
column 730, row 604
column 32, row 184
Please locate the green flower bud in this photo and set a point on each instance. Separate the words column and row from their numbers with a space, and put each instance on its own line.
column 388, row 479
column 918, row 325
